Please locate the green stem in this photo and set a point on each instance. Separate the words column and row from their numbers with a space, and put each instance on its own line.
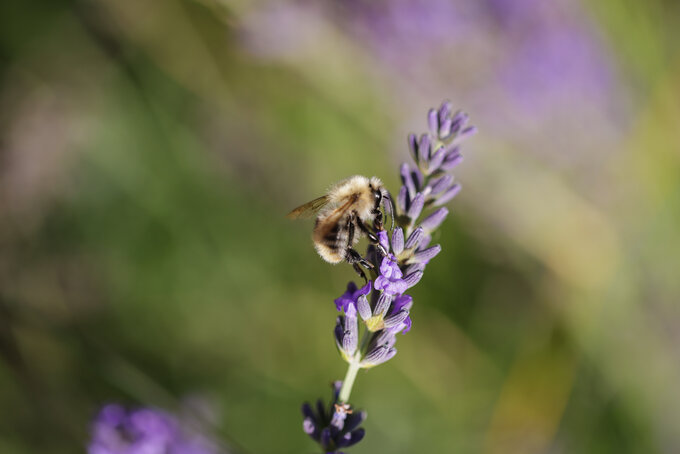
column 348, row 382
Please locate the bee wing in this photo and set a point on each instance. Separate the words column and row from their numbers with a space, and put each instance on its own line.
column 308, row 209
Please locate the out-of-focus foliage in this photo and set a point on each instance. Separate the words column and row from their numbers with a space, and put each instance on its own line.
column 148, row 154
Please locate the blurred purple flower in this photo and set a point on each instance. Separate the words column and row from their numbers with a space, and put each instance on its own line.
column 116, row 430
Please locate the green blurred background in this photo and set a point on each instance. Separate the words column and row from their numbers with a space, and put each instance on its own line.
column 148, row 154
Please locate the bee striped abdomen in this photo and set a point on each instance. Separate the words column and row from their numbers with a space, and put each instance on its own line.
column 330, row 239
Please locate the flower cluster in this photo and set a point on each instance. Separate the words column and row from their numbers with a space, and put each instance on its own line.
column 145, row 431
column 371, row 316
column 335, row 426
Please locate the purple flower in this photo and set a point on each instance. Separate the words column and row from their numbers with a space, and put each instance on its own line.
column 390, row 280
column 351, row 295
column 145, row 431
column 403, row 303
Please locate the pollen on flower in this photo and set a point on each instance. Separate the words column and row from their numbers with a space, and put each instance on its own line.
column 375, row 323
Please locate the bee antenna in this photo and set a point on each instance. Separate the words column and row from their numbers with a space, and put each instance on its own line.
column 389, row 207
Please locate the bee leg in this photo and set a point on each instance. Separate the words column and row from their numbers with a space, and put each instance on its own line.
column 360, row 272
column 355, row 259
column 378, row 220
column 371, row 236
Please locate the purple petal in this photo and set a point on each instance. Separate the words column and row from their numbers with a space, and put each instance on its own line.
column 407, row 322
column 402, row 302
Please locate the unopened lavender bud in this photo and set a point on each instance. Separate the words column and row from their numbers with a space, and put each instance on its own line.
column 325, row 436
column 308, row 426
column 364, row 307
column 440, row 184
column 396, row 319
column 413, row 146
column 407, row 180
column 416, row 206
column 374, row 356
column 433, row 121
column 353, row 420
column 467, row 132
column 434, row 220
column 385, row 338
column 424, row 147
column 448, row 195
column 349, row 343
column 418, row 179
column 403, row 199
column 383, row 304
column 351, row 438
column 388, row 205
column 445, row 128
column 426, row 255
column 397, row 241
column 351, row 334
column 414, row 238
column 436, row 160
column 451, row 161
column 459, row 119
column 378, row 356
column 445, row 111
column 413, row 268
column 413, row 278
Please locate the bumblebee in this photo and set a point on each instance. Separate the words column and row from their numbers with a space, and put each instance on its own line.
column 350, row 210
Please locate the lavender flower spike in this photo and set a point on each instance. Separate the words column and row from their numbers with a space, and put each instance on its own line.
column 396, row 263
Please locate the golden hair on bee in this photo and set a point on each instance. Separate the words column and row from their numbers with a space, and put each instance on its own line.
column 349, row 210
